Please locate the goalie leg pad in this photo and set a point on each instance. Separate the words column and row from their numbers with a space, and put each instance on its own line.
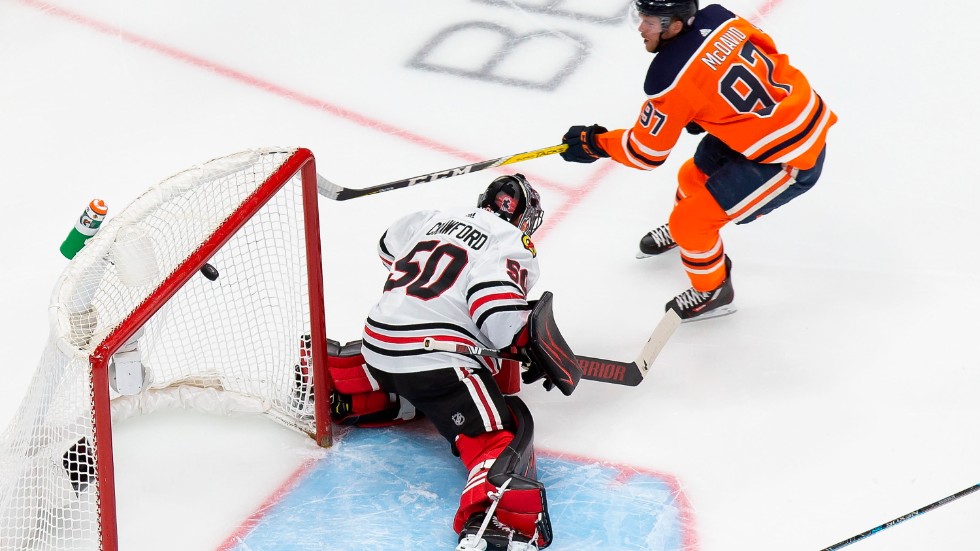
column 369, row 409
column 478, row 454
column 503, row 457
column 348, row 371
column 357, row 398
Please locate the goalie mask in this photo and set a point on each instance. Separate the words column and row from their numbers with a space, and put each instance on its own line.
column 513, row 199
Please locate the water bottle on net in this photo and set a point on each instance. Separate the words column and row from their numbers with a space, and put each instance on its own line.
column 86, row 226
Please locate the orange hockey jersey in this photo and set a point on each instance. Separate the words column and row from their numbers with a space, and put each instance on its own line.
column 725, row 75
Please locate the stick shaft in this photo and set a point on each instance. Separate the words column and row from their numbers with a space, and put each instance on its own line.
column 902, row 518
column 431, row 344
column 337, row 192
column 593, row 369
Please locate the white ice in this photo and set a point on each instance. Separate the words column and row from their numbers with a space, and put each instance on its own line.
column 841, row 395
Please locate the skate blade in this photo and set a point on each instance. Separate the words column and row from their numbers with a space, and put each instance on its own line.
column 470, row 543
column 716, row 313
column 641, row 254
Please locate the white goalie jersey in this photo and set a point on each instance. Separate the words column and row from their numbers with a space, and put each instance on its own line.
column 457, row 275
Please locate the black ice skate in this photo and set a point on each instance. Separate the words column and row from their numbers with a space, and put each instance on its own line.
column 495, row 537
column 656, row 242
column 693, row 305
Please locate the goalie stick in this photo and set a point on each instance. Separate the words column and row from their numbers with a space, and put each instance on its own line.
column 593, row 369
column 337, row 192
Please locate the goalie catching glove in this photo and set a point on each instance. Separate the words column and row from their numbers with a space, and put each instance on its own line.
column 548, row 355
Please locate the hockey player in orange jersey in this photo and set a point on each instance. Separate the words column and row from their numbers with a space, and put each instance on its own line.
column 766, row 129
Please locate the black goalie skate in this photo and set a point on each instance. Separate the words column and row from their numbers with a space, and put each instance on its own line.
column 495, row 537
column 656, row 242
column 693, row 305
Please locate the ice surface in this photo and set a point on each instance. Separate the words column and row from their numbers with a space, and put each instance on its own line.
column 841, row 395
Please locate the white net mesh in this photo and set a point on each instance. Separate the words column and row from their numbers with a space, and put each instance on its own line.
column 238, row 334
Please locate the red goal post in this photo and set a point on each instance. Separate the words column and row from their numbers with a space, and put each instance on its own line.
column 251, row 339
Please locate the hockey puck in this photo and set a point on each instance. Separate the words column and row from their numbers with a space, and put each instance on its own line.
column 209, row 271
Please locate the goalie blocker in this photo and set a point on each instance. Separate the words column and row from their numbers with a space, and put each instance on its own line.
column 549, row 356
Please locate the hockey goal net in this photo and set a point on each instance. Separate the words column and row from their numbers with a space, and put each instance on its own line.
column 210, row 284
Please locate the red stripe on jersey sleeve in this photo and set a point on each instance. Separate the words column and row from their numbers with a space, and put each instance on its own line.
column 393, row 340
column 489, row 298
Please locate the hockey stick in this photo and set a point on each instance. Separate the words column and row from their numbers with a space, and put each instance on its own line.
column 337, row 192
column 902, row 518
column 593, row 369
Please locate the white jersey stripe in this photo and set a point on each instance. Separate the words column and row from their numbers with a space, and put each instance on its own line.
column 700, row 255
column 659, row 155
column 636, row 163
column 489, row 413
column 774, row 136
column 767, row 192
column 817, row 132
column 459, row 275
column 475, row 481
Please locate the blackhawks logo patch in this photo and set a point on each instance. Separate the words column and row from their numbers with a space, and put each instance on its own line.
column 529, row 245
